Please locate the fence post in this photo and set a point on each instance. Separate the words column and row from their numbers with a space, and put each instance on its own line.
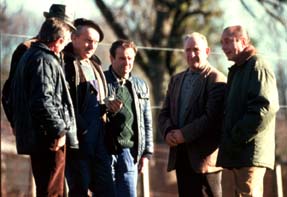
column 279, row 180
column 146, row 189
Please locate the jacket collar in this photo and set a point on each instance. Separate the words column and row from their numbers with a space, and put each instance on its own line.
column 245, row 55
column 70, row 54
column 119, row 79
column 44, row 47
column 204, row 71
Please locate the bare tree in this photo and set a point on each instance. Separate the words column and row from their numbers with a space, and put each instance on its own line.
column 276, row 23
column 276, row 9
column 14, row 28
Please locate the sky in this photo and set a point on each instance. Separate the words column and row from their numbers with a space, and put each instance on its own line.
column 273, row 48
column 234, row 13
column 82, row 8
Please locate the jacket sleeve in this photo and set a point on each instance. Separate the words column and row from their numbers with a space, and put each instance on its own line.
column 43, row 106
column 212, row 115
column 148, row 127
column 6, row 102
column 164, row 118
column 262, row 105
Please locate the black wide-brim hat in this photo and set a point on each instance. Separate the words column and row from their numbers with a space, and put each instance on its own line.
column 60, row 11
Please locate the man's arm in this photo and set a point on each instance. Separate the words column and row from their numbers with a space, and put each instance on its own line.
column 45, row 109
column 148, row 124
column 262, row 106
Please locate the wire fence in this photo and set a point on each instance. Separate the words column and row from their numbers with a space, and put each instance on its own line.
column 105, row 44
column 12, row 171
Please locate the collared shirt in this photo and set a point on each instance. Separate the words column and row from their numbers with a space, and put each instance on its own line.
column 186, row 92
column 121, row 81
column 88, row 75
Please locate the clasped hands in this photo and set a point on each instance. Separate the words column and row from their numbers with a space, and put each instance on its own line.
column 174, row 137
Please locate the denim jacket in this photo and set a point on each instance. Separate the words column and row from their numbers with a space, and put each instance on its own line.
column 143, row 116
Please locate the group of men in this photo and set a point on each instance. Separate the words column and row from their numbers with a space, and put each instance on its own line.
column 95, row 127
column 211, row 123
column 59, row 104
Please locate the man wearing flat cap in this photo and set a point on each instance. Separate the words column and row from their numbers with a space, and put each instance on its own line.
column 58, row 11
column 88, row 168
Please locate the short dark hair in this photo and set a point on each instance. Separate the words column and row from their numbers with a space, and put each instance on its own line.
column 122, row 43
column 52, row 29
column 80, row 22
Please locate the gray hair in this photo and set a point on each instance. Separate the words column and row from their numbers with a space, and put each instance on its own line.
column 193, row 36
column 237, row 32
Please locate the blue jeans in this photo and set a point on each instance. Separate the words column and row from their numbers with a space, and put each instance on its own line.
column 125, row 174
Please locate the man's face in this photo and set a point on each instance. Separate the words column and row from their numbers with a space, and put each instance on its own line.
column 123, row 61
column 63, row 41
column 86, row 43
column 196, row 52
column 231, row 45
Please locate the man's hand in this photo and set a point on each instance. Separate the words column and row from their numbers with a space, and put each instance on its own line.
column 174, row 137
column 114, row 106
column 143, row 164
column 177, row 135
column 170, row 140
column 58, row 143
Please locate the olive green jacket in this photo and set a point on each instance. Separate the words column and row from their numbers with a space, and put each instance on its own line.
column 248, row 137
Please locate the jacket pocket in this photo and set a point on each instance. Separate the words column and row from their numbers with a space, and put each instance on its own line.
column 82, row 126
column 64, row 115
column 142, row 95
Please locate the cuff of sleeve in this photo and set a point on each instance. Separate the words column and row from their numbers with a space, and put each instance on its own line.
column 61, row 133
column 147, row 155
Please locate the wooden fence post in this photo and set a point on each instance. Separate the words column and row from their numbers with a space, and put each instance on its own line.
column 279, row 180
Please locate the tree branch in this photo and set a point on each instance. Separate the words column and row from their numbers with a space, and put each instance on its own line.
column 270, row 12
column 247, row 9
column 110, row 19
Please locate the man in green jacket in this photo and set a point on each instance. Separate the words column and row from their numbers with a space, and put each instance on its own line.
column 248, row 139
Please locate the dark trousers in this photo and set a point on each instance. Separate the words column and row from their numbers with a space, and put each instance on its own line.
column 48, row 169
column 190, row 183
column 92, row 173
column 89, row 168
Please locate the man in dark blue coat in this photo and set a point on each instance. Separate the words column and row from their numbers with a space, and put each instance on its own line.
column 42, row 111
column 90, row 167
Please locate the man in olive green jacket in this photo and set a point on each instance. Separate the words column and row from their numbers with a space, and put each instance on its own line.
column 248, row 139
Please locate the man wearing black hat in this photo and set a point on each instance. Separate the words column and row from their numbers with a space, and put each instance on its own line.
column 43, row 116
column 90, row 167
column 59, row 11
